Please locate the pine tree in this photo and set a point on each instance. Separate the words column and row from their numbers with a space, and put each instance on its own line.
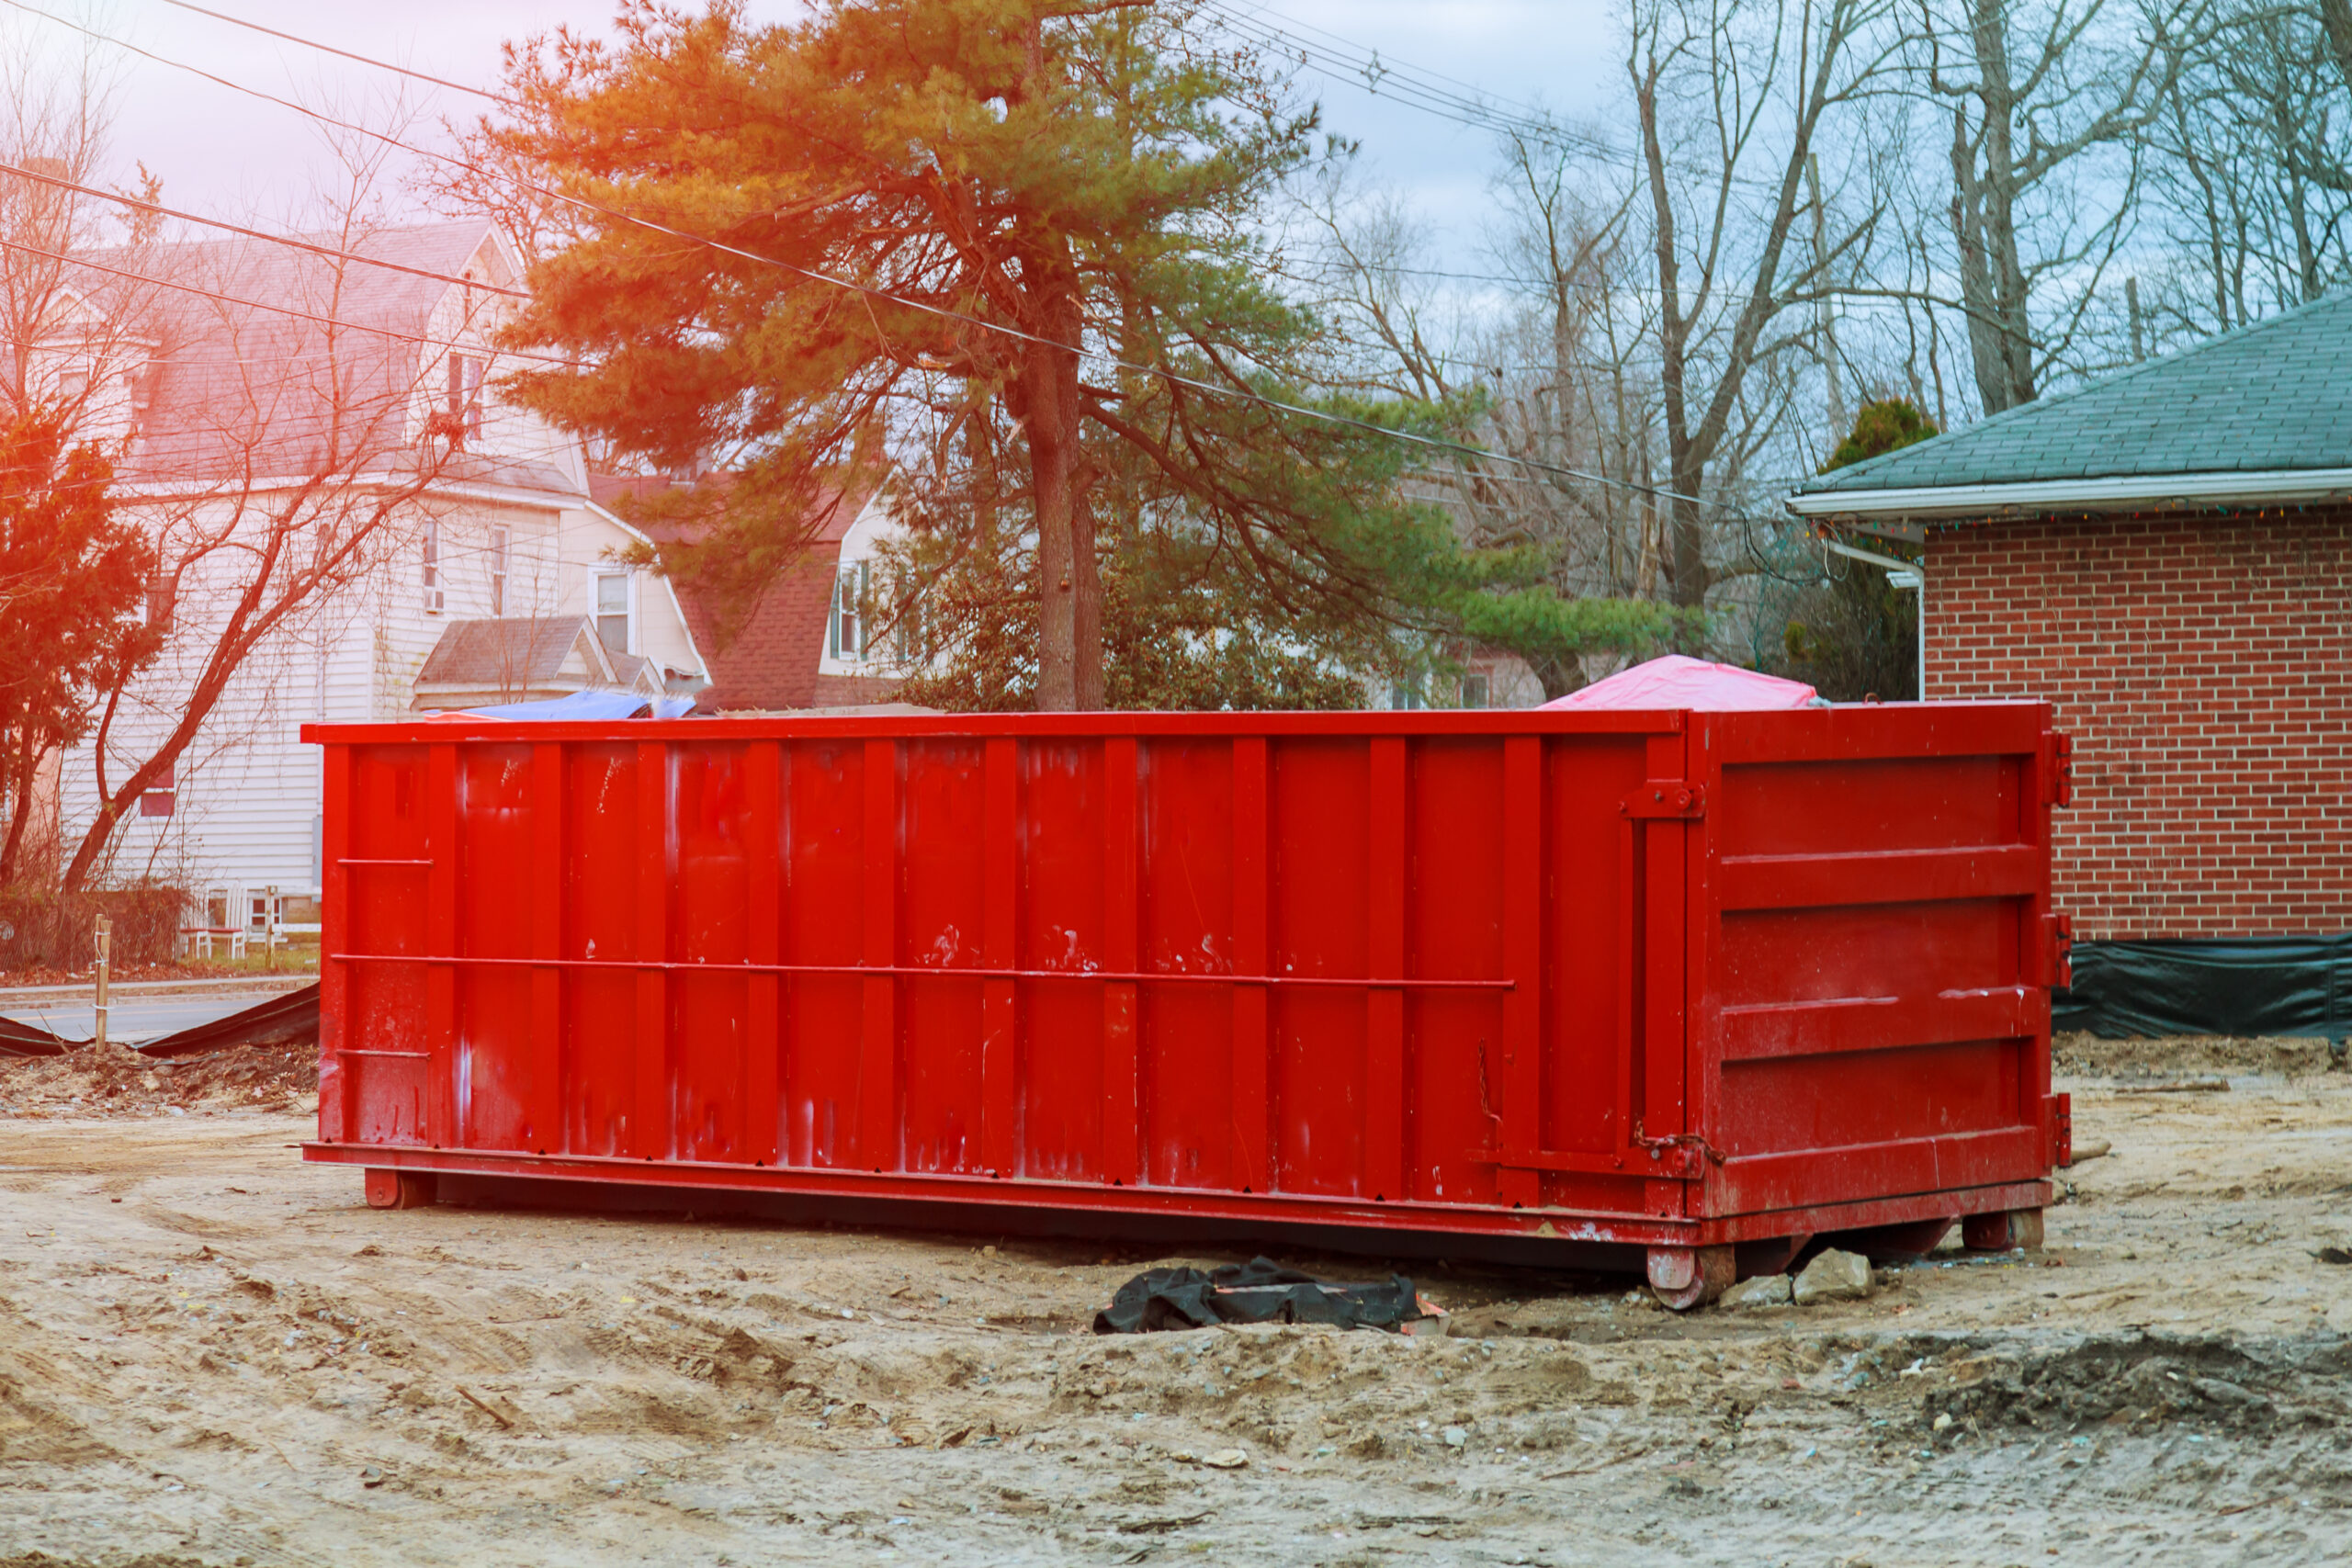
column 1021, row 197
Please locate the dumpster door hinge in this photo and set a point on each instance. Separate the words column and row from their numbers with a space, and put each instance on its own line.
column 2051, row 961
column 2057, row 769
column 1666, row 798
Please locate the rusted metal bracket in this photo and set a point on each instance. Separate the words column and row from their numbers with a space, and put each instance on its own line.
column 1685, row 1147
column 1666, row 798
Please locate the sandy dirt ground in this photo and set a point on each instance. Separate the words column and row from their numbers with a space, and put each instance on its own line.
column 213, row 1354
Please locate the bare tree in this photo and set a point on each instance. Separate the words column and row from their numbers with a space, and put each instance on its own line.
column 2050, row 103
column 2248, row 178
column 1734, row 100
column 291, row 446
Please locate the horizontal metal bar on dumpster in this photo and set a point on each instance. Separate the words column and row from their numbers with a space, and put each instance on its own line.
column 350, row 862
column 929, row 972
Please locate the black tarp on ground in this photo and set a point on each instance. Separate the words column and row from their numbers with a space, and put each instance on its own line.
column 1259, row 1290
column 289, row 1020
column 2288, row 985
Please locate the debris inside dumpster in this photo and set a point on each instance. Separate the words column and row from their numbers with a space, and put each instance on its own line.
column 1262, row 1291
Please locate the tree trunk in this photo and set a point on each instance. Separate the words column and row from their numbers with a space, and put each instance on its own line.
column 1984, row 214
column 1685, row 464
column 2335, row 17
column 1069, row 589
column 20, row 790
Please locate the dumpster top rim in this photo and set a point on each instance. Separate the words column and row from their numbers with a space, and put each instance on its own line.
column 1354, row 722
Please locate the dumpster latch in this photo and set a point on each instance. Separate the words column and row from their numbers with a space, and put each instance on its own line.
column 1666, row 798
column 1680, row 1153
column 2062, row 1126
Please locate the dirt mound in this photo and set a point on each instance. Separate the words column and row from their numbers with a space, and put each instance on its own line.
column 2083, row 1053
column 2146, row 1382
column 120, row 1082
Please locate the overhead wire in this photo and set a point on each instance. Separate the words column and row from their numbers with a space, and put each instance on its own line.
column 1174, row 378
column 341, row 322
column 330, row 251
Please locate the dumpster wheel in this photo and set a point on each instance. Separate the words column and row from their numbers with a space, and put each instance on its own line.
column 1683, row 1278
column 399, row 1189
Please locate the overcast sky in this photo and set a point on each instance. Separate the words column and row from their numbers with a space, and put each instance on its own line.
column 220, row 152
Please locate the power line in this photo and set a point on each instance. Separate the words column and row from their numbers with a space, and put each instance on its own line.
column 279, row 310
column 1529, row 109
column 345, row 54
column 866, row 290
column 813, row 276
column 327, row 251
column 1379, row 79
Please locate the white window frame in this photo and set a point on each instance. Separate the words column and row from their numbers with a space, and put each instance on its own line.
column 907, row 631
column 437, row 596
column 467, row 374
column 845, row 619
column 597, row 611
column 501, row 538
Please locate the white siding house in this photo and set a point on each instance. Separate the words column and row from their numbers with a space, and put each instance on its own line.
column 381, row 445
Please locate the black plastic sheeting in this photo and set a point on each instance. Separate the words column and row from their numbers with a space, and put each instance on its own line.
column 2288, row 986
column 1259, row 1290
column 289, row 1020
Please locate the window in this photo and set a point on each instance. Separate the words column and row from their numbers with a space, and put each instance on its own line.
column 1405, row 695
column 435, row 600
column 907, row 640
column 465, row 394
column 497, row 539
column 161, row 794
column 157, row 611
column 845, row 626
column 612, row 610
column 1473, row 691
column 262, row 912
column 72, row 385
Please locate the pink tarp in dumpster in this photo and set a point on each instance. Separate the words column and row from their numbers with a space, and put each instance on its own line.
column 1678, row 680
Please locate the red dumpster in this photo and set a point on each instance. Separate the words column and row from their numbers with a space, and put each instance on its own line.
column 1700, row 984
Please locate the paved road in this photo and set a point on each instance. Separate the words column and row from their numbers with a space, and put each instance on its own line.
column 131, row 1020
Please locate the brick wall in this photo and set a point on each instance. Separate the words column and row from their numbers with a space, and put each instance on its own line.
column 2203, row 667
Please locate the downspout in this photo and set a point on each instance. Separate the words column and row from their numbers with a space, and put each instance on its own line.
column 1900, row 574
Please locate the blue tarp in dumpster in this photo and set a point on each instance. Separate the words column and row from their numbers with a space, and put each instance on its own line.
column 589, row 706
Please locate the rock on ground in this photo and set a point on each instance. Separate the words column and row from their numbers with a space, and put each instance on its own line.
column 1834, row 1276
column 1769, row 1290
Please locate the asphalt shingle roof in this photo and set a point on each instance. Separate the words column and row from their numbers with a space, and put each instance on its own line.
column 517, row 648
column 243, row 390
column 2272, row 398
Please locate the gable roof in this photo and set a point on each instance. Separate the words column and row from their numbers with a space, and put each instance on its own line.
column 516, row 651
column 242, row 391
column 2264, row 413
column 771, row 660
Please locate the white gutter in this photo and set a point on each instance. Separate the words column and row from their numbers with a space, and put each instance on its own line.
column 2092, row 495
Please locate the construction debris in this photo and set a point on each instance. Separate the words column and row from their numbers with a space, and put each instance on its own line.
column 1259, row 1290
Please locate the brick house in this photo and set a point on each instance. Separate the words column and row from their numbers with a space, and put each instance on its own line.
column 2166, row 555
column 803, row 642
